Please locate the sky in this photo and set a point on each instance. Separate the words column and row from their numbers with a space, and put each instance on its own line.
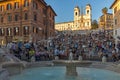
column 65, row 8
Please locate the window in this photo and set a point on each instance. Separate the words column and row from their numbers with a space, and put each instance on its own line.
column 50, row 14
column 1, row 32
column 35, row 6
column 9, row 17
column 44, row 22
column 87, row 11
column 16, row 17
column 33, row 29
column 88, row 23
column 16, row 31
column 76, row 13
column 16, row 5
column 26, row 16
column 9, row 6
column 115, row 21
column 35, row 17
column 8, row 31
column 26, row 3
column 115, row 10
column 1, row 19
column 26, row 30
column 1, row 8
column 53, row 17
column 115, row 32
column 44, row 11
column 36, row 30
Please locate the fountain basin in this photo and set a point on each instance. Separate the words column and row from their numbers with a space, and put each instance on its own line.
column 13, row 68
column 58, row 73
column 73, row 62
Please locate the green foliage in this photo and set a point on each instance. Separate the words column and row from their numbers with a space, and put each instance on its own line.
column 94, row 24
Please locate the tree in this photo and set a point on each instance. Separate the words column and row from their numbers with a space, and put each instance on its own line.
column 94, row 24
column 104, row 11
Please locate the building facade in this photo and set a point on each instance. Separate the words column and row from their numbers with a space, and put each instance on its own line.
column 81, row 21
column 106, row 23
column 25, row 20
column 116, row 15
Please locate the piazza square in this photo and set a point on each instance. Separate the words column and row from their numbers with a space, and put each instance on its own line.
column 59, row 40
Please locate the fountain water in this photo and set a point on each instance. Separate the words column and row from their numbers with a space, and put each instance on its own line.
column 71, row 56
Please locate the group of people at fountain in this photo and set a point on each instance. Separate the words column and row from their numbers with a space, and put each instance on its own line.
column 89, row 46
column 29, row 51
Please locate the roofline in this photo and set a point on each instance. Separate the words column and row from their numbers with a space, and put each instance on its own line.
column 107, row 13
column 43, row 2
column 113, row 4
column 64, row 22
column 52, row 10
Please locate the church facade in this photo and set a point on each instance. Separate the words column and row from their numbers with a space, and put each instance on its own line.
column 81, row 21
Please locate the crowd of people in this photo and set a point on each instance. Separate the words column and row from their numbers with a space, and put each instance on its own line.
column 93, row 44
column 90, row 45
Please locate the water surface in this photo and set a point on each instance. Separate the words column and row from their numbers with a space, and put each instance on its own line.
column 58, row 73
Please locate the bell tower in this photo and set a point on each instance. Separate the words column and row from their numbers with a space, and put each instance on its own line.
column 88, row 15
column 88, row 10
column 76, row 13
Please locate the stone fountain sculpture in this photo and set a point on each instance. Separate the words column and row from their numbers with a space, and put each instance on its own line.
column 9, row 62
column 72, row 64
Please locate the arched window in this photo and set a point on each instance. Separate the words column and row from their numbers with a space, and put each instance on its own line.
column 9, row 6
column 76, row 13
column 16, row 5
column 88, row 11
column 1, row 8
column 26, row 3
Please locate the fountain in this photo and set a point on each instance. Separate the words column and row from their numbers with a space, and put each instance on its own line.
column 59, row 73
column 71, row 64
column 9, row 62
